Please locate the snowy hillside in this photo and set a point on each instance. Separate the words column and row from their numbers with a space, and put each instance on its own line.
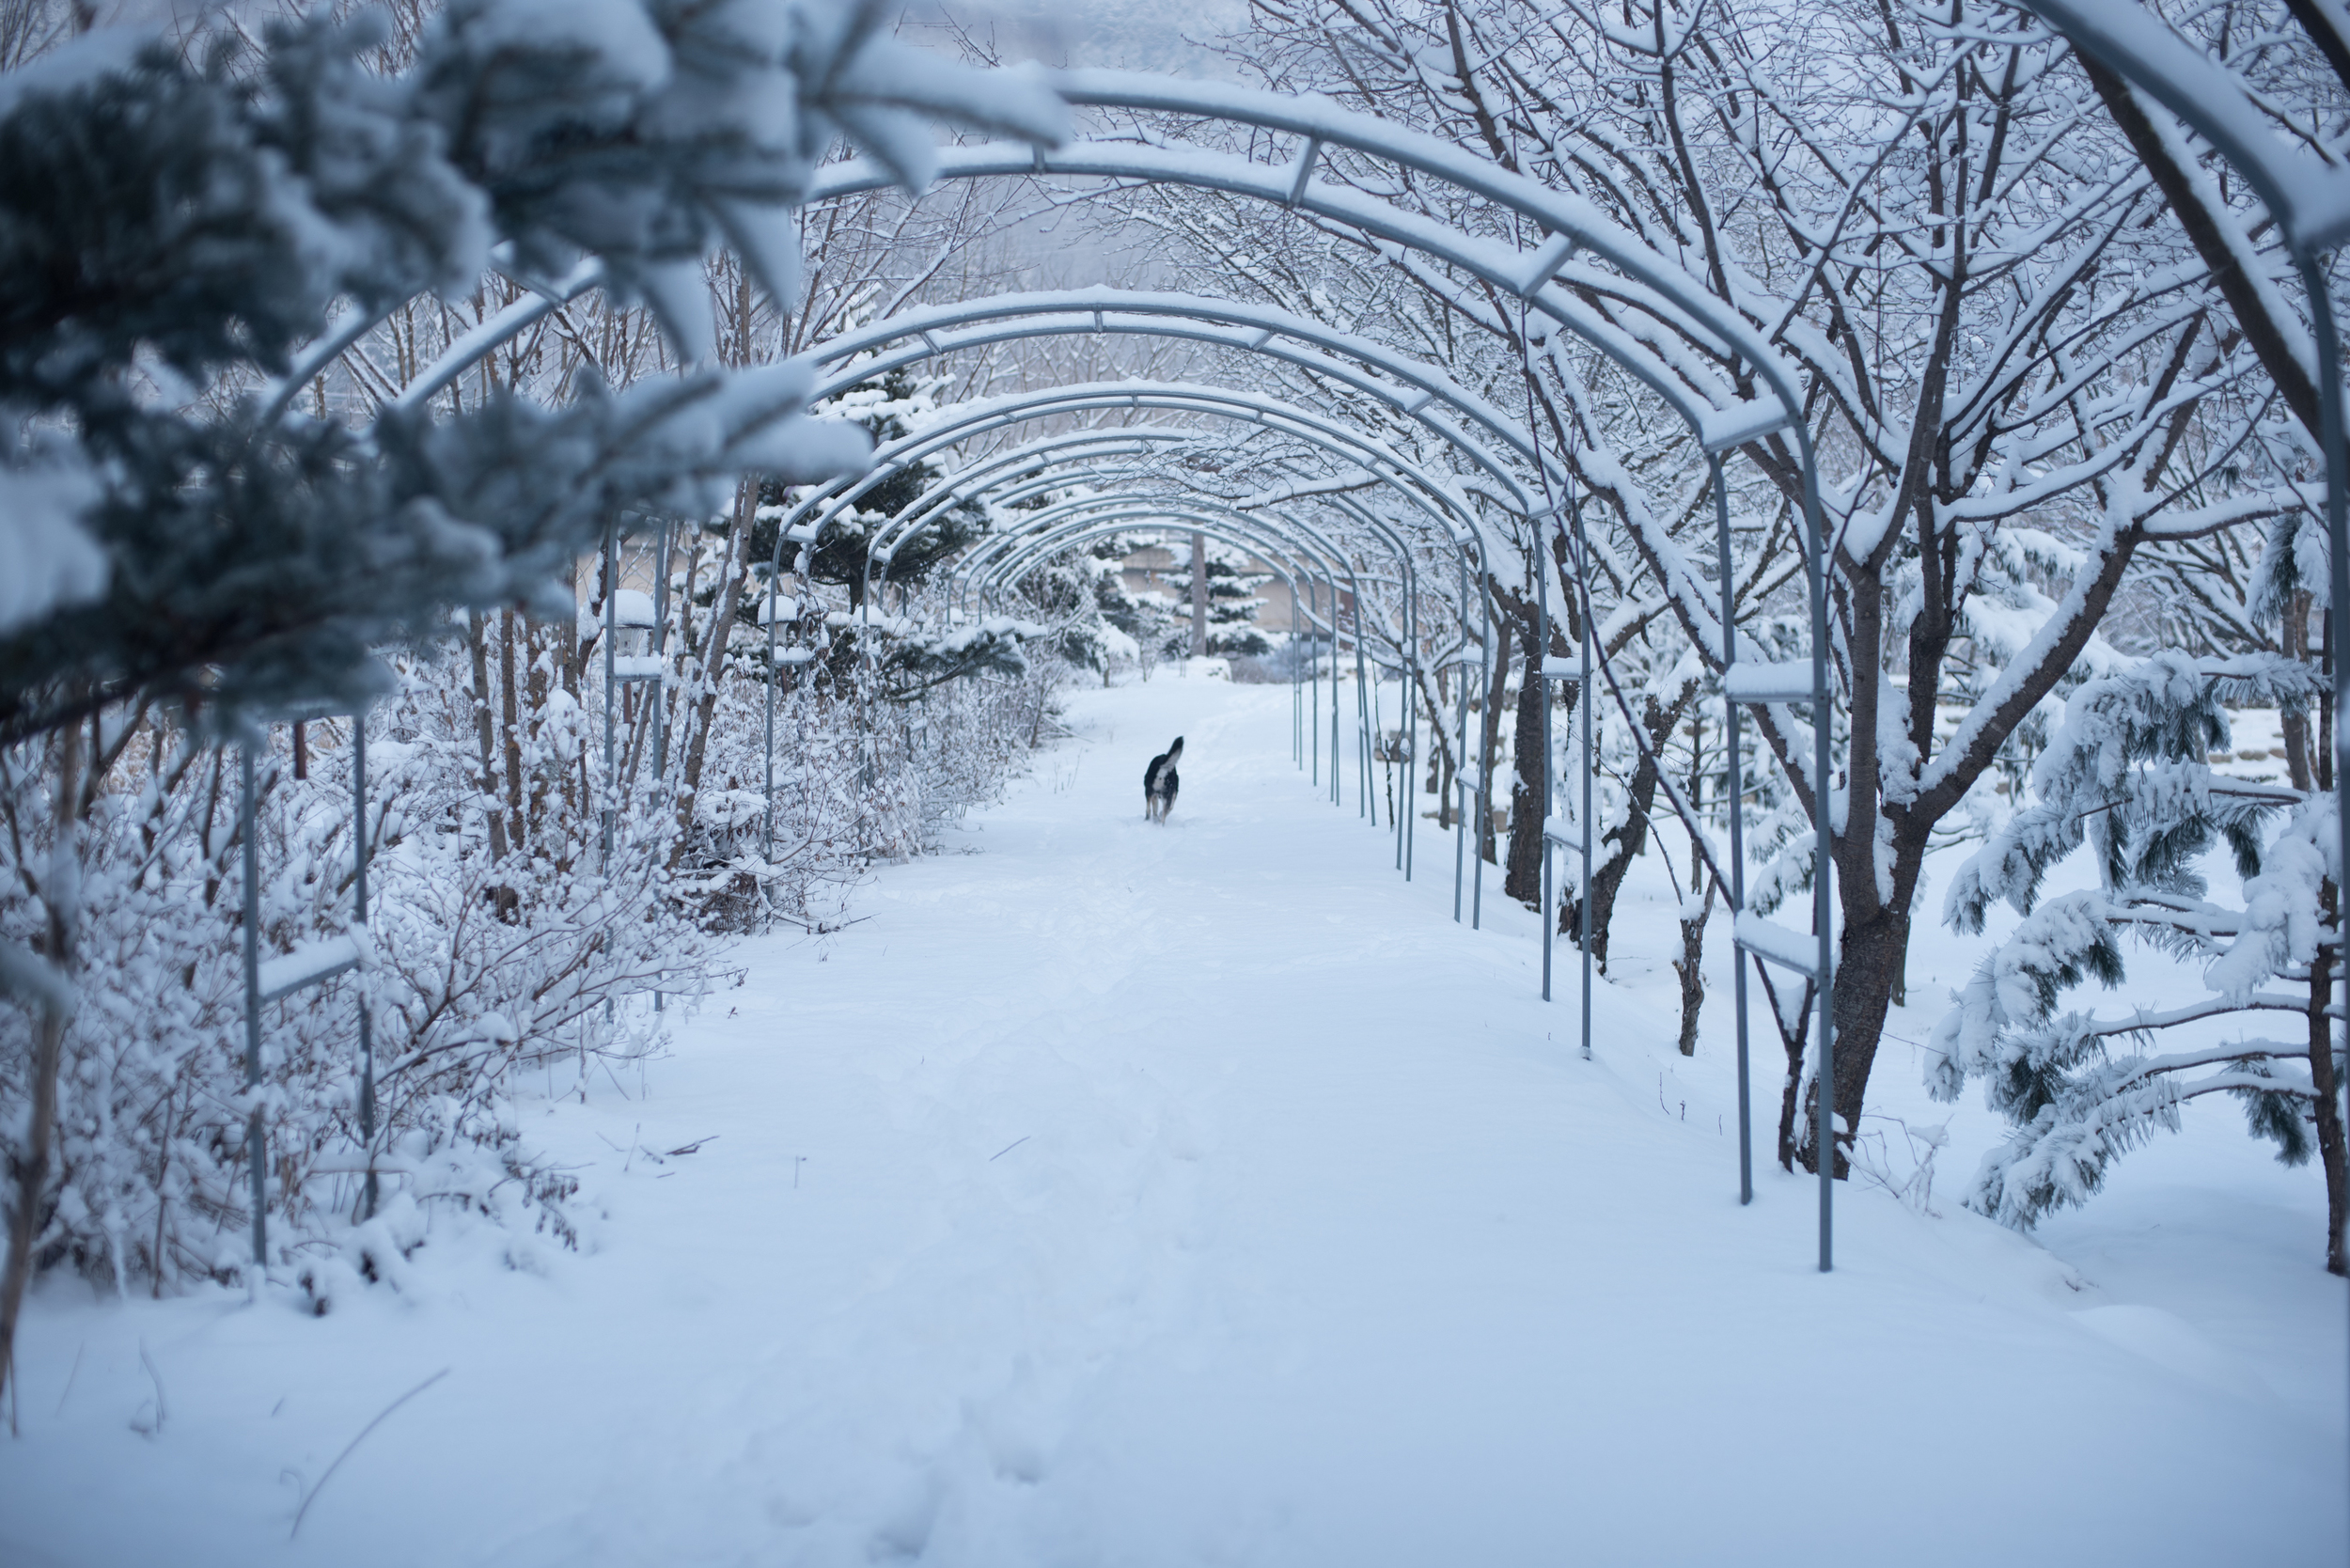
column 1109, row 1194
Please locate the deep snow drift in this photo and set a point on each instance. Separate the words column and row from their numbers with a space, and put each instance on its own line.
column 1115, row 1194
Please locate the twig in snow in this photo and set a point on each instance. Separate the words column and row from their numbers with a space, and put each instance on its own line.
column 70, row 1376
column 312, row 1495
column 156, row 1378
column 1009, row 1147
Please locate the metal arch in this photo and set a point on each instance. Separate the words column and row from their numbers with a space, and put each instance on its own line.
column 1569, row 223
column 910, row 519
column 1655, row 283
column 1034, row 458
column 1425, row 492
column 1462, row 540
column 1377, row 525
column 1076, row 311
column 1463, row 536
column 1001, row 542
column 1091, row 311
column 977, row 572
column 1160, row 396
column 981, row 416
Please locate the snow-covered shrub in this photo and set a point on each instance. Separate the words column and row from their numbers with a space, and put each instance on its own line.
column 490, row 976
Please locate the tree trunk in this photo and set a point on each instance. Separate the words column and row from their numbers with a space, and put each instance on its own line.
column 1522, row 879
column 61, row 895
column 1489, row 731
column 1631, row 839
column 485, row 731
column 509, row 716
column 1791, row 1043
column 2331, row 1152
column 2296, row 724
column 1200, row 596
column 728, row 609
column 1688, row 964
column 1868, row 964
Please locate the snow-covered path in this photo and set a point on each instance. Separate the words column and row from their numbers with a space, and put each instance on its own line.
column 1118, row 1195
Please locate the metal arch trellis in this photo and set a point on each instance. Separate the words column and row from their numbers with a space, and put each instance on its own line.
column 1297, row 572
column 1412, row 388
column 983, row 416
column 1094, row 476
column 1404, row 641
column 1422, row 490
column 1644, row 280
column 1424, row 493
column 1568, row 223
column 1021, row 552
column 1212, row 518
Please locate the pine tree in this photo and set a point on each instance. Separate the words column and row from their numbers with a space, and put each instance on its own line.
column 1233, row 602
column 2126, row 777
column 842, row 555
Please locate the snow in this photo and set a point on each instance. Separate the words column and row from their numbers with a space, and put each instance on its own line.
column 48, row 562
column 1111, row 1193
column 1766, row 938
column 310, row 963
column 1760, row 680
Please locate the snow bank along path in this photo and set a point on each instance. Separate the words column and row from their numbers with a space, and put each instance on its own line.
column 1122, row 1195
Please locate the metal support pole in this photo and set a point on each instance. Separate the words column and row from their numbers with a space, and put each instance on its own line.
column 1735, row 800
column 1540, row 666
column 1585, row 707
column 767, row 829
column 1363, row 805
column 1314, row 676
column 256, row 1135
column 660, row 689
column 1459, row 754
column 1337, row 794
column 1485, row 777
column 359, row 915
column 611, row 682
column 658, row 692
column 1411, row 728
column 611, row 705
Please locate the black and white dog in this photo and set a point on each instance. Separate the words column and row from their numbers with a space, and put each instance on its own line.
column 1159, row 783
